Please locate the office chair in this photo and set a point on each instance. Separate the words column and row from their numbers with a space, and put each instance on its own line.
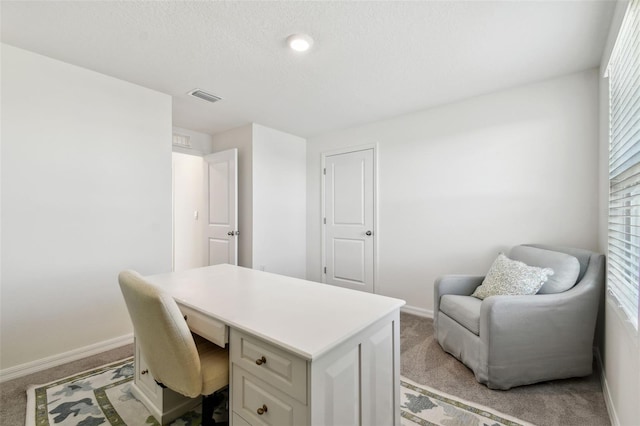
column 187, row 365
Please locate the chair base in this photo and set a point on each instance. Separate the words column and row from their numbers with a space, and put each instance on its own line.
column 209, row 403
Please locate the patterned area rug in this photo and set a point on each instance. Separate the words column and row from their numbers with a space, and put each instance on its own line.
column 99, row 397
column 102, row 397
column 422, row 405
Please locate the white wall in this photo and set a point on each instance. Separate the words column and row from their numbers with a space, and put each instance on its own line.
column 279, row 202
column 86, row 192
column 621, row 351
column 188, row 208
column 461, row 182
column 241, row 138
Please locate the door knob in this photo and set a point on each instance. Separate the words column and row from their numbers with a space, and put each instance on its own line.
column 230, row 233
column 368, row 233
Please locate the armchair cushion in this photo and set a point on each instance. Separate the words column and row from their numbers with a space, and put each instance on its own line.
column 464, row 310
column 512, row 277
column 565, row 267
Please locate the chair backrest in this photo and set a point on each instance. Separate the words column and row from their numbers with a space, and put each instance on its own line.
column 583, row 256
column 162, row 334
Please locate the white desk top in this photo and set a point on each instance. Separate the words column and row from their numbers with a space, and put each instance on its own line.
column 305, row 317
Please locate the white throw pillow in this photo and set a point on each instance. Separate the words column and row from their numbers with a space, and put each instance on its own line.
column 511, row 277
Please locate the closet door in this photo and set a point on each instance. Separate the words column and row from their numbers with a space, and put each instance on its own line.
column 349, row 220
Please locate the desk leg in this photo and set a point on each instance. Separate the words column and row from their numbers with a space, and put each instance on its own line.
column 358, row 382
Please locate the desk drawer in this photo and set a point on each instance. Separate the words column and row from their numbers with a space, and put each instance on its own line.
column 207, row 327
column 260, row 404
column 239, row 421
column 275, row 366
column 143, row 377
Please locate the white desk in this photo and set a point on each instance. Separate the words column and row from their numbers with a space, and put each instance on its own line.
column 332, row 355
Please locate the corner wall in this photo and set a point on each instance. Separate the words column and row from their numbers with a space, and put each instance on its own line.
column 86, row 193
column 459, row 183
column 279, row 202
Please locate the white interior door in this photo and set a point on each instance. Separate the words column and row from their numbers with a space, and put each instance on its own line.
column 349, row 219
column 221, row 195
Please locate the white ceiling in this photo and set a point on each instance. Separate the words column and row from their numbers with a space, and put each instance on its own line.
column 370, row 60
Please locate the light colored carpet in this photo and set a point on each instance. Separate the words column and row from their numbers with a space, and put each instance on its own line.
column 569, row 402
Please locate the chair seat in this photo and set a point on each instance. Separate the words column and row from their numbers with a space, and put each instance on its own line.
column 214, row 362
column 465, row 310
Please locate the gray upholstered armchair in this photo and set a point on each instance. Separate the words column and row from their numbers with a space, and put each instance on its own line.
column 516, row 340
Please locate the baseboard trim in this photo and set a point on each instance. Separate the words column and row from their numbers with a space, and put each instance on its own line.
column 413, row 310
column 608, row 401
column 63, row 358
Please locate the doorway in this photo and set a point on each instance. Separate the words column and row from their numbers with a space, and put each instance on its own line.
column 205, row 209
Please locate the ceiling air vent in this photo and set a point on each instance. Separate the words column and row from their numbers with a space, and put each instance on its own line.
column 204, row 95
column 181, row 140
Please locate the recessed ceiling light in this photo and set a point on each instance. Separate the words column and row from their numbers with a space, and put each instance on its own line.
column 299, row 42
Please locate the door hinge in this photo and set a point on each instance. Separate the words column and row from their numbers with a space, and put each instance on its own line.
column 325, row 269
column 324, row 171
column 324, row 220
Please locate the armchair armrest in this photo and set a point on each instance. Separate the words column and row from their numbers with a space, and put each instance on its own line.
column 458, row 284
column 529, row 330
column 462, row 285
column 569, row 315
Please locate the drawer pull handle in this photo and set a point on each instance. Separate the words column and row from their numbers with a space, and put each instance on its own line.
column 144, row 371
column 260, row 361
column 262, row 409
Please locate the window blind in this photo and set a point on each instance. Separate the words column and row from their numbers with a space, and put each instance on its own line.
column 624, row 165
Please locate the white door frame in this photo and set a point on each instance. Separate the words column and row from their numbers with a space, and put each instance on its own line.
column 376, row 235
